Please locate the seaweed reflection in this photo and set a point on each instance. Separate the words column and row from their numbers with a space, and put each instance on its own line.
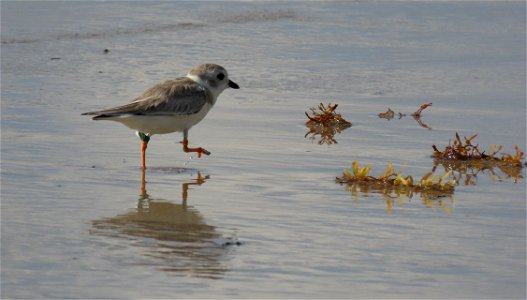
column 467, row 171
column 324, row 134
column 174, row 237
column 394, row 196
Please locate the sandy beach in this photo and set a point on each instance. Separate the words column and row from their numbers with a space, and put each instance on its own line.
column 262, row 216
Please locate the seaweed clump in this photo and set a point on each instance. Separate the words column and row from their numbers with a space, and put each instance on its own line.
column 417, row 113
column 467, row 160
column 392, row 182
column 326, row 122
column 390, row 114
column 466, row 151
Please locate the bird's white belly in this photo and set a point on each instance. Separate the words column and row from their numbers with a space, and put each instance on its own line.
column 162, row 124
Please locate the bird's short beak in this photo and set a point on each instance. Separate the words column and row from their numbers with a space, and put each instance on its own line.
column 233, row 85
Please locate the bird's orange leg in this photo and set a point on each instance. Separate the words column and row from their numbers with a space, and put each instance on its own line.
column 143, row 154
column 199, row 150
column 145, row 138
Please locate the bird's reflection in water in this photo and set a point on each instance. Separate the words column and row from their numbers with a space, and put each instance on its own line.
column 174, row 237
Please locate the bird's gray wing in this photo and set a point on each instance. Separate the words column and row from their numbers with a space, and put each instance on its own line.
column 181, row 96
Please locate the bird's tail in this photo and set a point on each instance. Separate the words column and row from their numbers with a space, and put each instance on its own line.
column 97, row 115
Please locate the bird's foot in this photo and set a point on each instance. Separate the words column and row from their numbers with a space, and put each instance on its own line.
column 200, row 151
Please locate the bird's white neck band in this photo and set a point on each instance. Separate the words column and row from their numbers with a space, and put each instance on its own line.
column 197, row 79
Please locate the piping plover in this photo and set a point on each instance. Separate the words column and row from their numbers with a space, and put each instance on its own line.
column 171, row 106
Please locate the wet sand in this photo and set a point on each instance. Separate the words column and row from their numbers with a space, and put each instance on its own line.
column 262, row 217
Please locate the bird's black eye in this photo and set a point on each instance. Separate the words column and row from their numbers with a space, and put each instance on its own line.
column 221, row 76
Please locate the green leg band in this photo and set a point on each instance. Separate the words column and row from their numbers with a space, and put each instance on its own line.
column 145, row 138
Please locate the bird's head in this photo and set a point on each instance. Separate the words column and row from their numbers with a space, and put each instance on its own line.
column 213, row 76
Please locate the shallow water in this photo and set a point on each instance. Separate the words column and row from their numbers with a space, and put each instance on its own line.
column 262, row 217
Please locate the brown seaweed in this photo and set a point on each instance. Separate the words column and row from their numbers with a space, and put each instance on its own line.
column 465, row 150
column 390, row 114
column 466, row 161
column 325, row 122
